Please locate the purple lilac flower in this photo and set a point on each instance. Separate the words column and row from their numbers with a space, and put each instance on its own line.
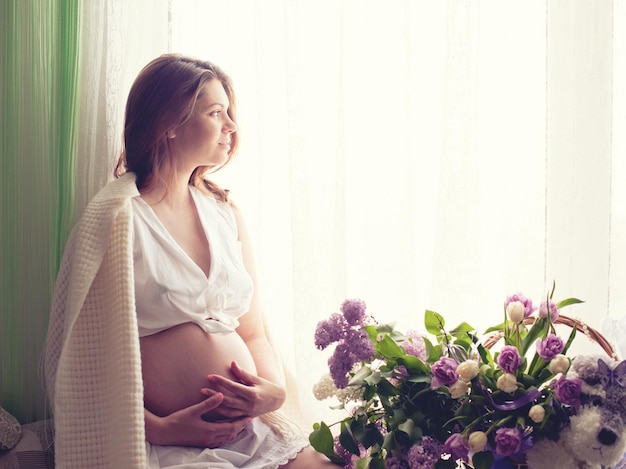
column 444, row 372
column 353, row 311
column 415, row 345
column 457, row 447
column 360, row 344
column 346, row 456
column 567, row 391
column 508, row 441
column 340, row 363
column 396, row 462
column 543, row 310
column 401, row 373
column 330, row 330
column 527, row 302
column 509, row 359
column 424, row 456
column 550, row 347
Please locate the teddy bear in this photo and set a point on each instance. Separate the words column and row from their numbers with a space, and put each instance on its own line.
column 596, row 435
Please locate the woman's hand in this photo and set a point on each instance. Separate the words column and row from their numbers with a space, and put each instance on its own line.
column 250, row 395
column 187, row 428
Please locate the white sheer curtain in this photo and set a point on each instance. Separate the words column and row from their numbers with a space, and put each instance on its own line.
column 415, row 154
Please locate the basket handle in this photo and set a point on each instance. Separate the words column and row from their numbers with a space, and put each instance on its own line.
column 589, row 331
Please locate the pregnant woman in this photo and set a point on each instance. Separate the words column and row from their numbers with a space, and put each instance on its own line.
column 210, row 381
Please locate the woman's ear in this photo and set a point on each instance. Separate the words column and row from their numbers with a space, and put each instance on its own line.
column 171, row 133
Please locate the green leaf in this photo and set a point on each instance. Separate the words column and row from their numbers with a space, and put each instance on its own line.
column 389, row 348
column 407, row 427
column 540, row 329
column 567, row 302
column 482, row 460
column 360, row 376
column 485, row 355
column 414, row 365
column 499, row 327
column 434, row 322
column 376, row 463
column 464, row 343
column 569, row 340
column 321, row 440
column 374, row 378
column 462, row 330
column 347, row 440
column 368, row 436
column 385, row 388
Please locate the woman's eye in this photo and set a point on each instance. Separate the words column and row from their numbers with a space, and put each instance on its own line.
column 216, row 113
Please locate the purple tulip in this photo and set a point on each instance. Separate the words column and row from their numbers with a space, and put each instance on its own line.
column 508, row 441
column 509, row 359
column 527, row 302
column 457, row 447
column 552, row 309
column 550, row 347
column 567, row 391
column 444, row 372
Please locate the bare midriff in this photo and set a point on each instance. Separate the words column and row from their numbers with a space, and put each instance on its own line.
column 177, row 361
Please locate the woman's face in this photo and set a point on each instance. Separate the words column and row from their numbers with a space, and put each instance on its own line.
column 204, row 140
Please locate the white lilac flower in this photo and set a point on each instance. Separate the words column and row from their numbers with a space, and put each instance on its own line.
column 324, row 388
column 350, row 394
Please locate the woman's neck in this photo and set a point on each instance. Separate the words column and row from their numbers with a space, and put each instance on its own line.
column 174, row 195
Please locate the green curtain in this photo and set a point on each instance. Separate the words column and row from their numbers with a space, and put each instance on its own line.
column 39, row 42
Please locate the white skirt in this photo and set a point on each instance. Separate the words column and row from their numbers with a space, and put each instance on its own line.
column 256, row 447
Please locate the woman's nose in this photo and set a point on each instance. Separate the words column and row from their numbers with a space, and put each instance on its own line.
column 230, row 126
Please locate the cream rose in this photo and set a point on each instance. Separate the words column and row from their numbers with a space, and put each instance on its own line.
column 507, row 383
column 467, row 370
column 515, row 311
column 559, row 364
column 477, row 441
column 458, row 389
column 537, row 413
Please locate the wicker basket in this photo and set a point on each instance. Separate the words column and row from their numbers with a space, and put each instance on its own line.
column 590, row 332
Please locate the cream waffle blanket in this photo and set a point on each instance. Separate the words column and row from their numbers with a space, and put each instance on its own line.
column 92, row 362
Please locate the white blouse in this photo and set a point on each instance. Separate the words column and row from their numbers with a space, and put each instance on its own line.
column 171, row 289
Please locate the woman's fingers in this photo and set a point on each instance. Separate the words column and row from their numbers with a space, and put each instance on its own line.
column 213, row 402
column 242, row 375
column 229, row 387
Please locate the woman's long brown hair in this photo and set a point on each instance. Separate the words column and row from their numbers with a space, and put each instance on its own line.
column 162, row 98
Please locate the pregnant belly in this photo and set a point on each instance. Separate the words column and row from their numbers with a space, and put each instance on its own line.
column 176, row 362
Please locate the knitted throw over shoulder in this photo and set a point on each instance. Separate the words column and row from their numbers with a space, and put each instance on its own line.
column 92, row 363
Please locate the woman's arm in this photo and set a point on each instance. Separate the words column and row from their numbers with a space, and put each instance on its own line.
column 257, row 394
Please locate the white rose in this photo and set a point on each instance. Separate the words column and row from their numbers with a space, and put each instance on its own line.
column 537, row 413
column 507, row 383
column 559, row 364
column 515, row 311
column 467, row 370
column 459, row 389
column 477, row 441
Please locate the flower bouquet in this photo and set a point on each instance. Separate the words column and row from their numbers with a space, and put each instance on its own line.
column 445, row 400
